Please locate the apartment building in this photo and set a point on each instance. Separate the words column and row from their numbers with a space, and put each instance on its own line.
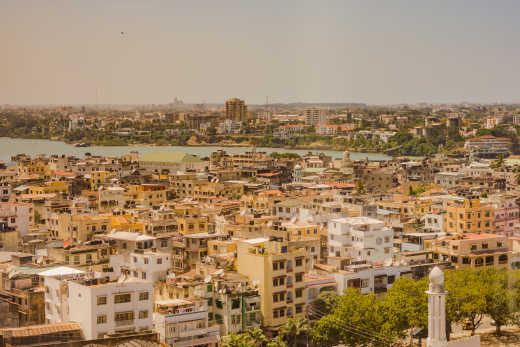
column 469, row 216
column 359, row 239
column 278, row 270
column 315, row 116
column 472, row 250
column 82, row 227
column 184, row 323
column 99, row 305
column 236, row 110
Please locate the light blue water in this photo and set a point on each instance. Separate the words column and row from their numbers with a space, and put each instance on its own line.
column 10, row 147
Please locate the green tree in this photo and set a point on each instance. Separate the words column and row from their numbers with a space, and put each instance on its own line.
column 235, row 340
column 499, row 296
column 357, row 319
column 292, row 329
column 465, row 300
column 276, row 342
column 324, row 303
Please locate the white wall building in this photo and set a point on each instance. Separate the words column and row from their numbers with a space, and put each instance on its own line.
column 145, row 265
column 368, row 279
column 184, row 323
column 99, row 306
column 360, row 238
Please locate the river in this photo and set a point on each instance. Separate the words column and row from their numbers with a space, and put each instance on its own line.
column 10, row 147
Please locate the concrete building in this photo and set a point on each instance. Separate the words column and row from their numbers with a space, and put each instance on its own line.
column 315, row 116
column 472, row 250
column 488, row 146
column 278, row 272
column 170, row 162
column 236, row 110
column 184, row 323
column 469, row 216
column 359, row 239
column 100, row 306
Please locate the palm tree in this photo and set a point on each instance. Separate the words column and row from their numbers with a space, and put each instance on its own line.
column 276, row 342
column 255, row 336
column 235, row 340
column 292, row 329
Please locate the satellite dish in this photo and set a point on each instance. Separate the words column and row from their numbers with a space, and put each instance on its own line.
column 207, row 279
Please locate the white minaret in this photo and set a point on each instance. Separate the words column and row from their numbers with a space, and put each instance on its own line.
column 436, row 310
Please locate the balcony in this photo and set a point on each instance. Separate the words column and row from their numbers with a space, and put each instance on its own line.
column 120, row 323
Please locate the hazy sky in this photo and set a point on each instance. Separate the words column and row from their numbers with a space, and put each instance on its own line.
column 388, row 51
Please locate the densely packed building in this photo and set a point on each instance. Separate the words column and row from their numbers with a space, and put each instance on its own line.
column 186, row 250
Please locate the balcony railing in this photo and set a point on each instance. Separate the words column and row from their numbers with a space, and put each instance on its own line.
column 120, row 323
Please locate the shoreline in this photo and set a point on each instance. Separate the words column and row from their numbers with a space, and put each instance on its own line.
column 229, row 145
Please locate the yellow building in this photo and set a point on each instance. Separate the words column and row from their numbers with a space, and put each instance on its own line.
column 469, row 216
column 149, row 195
column 98, row 178
column 8, row 239
column 279, row 271
column 126, row 223
column 193, row 224
column 211, row 191
column 472, row 250
column 80, row 228
column 50, row 188
column 221, row 247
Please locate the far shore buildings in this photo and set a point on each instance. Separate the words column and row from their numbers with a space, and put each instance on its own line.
column 488, row 146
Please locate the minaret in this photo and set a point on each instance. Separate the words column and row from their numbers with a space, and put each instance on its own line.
column 436, row 310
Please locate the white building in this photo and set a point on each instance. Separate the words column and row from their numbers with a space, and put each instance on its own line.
column 315, row 116
column 143, row 264
column 368, row 279
column 361, row 239
column 184, row 323
column 434, row 222
column 230, row 127
column 100, row 306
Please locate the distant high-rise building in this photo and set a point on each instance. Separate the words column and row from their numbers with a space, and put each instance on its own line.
column 236, row 110
column 315, row 116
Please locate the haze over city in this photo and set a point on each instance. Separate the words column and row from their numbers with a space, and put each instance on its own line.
column 139, row 52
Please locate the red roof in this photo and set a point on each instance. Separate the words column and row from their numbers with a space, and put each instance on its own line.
column 269, row 174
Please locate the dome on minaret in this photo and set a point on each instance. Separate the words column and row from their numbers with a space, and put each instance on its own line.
column 437, row 280
column 346, row 155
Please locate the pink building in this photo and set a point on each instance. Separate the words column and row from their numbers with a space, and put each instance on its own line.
column 17, row 215
column 507, row 213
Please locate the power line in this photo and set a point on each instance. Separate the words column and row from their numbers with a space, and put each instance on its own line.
column 356, row 330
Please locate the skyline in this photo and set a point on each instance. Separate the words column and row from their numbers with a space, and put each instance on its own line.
column 61, row 52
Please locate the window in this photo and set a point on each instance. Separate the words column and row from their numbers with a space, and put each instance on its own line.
column 102, row 300
column 143, row 296
column 391, row 279
column 299, row 277
column 143, row 275
column 299, row 261
column 145, row 260
column 235, row 303
column 299, row 308
column 143, row 314
column 466, row 260
column 499, row 244
column 473, row 247
column 298, row 292
column 135, row 259
column 210, row 301
column 275, row 266
column 102, row 319
column 484, row 246
column 209, row 288
column 122, row 298
column 124, row 316
column 159, row 260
